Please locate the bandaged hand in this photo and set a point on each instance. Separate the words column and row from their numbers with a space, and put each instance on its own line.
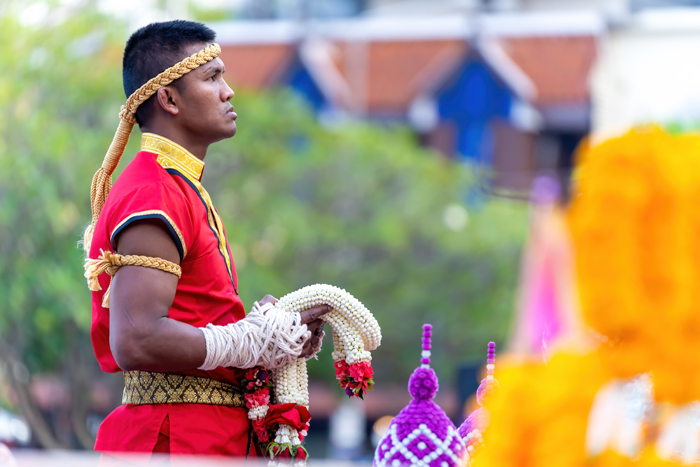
column 311, row 318
column 267, row 337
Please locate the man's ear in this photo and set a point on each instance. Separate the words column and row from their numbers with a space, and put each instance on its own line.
column 168, row 98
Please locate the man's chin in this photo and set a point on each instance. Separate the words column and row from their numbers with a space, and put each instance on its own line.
column 221, row 133
column 232, row 131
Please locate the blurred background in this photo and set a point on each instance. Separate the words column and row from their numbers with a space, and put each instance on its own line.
column 386, row 147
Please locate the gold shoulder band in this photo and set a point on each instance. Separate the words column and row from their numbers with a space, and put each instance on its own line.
column 111, row 262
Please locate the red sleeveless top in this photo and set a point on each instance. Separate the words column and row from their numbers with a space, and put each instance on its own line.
column 163, row 182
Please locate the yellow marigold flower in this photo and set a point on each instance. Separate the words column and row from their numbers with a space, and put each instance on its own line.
column 635, row 225
column 540, row 413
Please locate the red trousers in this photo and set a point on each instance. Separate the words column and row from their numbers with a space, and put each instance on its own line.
column 161, row 449
column 179, row 429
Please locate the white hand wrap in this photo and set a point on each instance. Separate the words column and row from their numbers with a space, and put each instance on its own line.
column 267, row 337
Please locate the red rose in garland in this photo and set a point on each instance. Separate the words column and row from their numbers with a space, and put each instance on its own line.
column 296, row 416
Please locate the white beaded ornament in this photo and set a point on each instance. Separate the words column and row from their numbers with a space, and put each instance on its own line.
column 355, row 334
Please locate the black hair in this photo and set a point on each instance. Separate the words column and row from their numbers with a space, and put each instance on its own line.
column 154, row 48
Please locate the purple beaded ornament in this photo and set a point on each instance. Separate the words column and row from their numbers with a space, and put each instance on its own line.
column 421, row 434
column 473, row 428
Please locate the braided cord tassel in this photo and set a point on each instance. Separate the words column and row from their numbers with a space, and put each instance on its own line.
column 102, row 180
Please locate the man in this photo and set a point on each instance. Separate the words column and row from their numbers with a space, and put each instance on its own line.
column 159, row 211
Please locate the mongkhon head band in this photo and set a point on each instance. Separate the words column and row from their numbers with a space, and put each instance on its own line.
column 102, row 181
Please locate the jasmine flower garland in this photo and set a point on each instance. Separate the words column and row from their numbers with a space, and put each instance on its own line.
column 281, row 427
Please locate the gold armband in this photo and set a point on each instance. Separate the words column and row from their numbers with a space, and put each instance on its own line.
column 111, row 262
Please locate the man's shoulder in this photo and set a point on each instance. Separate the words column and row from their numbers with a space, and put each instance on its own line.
column 145, row 182
column 143, row 170
column 144, row 190
column 145, row 174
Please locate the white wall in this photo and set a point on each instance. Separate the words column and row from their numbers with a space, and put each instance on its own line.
column 648, row 72
column 607, row 7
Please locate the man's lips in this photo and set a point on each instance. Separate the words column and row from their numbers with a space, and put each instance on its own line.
column 231, row 113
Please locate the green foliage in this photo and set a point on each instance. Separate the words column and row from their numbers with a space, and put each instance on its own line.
column 357, row 206
column 59, row 96
column 362, row 207
column 682, row 127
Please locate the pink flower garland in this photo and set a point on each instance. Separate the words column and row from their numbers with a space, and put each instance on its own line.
column 257, row 386
column 356, row 379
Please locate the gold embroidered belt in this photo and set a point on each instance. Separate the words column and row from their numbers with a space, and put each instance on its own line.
column 147, row 387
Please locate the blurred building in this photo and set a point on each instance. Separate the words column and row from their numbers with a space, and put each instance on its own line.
column 504, row 84
column 506, row 91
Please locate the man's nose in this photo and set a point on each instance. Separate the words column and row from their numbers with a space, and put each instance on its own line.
column 228, row 93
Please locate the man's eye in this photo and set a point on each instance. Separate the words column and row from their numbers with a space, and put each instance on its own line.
column 212, row 77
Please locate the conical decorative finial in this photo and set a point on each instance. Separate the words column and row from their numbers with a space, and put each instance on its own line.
column 422, row 434
column 427, row 345
column 473, row 428
column 489, row 384
column 423, row 384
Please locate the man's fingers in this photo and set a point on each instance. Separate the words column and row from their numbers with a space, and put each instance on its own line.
column 314, row 313
column 314, row 341
column 310, row 345
column 268, row 299
column 315, row 325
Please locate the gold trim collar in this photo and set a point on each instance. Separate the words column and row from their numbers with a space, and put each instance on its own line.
column 172, row 155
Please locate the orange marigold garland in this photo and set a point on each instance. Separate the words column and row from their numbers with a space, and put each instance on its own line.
column 635, row 222
column 539, row 414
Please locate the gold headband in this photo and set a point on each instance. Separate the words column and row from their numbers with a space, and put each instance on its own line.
column 102, row 181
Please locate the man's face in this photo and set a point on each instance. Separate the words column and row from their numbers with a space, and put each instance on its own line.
column 204, row 105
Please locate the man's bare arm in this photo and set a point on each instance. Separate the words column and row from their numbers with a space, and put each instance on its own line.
column 142, row 337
